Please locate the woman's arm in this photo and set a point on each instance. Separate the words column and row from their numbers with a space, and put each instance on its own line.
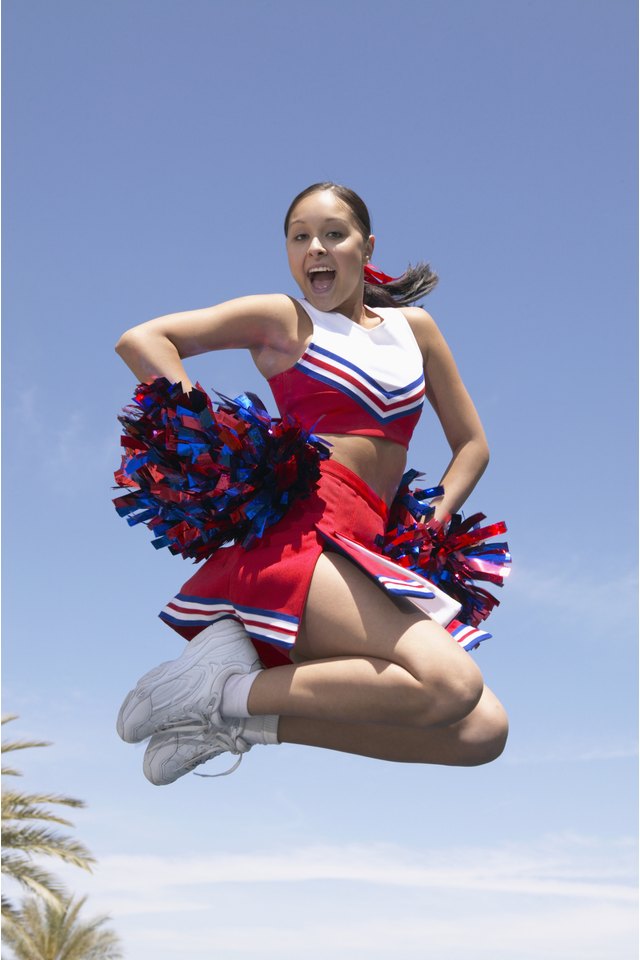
column 456, row 412
column 156, row 348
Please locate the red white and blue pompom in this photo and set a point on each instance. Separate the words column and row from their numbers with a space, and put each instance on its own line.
column 200, row 476
column 452, row 555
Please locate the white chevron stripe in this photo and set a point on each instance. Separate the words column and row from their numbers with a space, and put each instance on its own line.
column 375, row 384
column 379, row 408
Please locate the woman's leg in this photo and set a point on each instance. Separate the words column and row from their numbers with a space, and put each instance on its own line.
column 372, row 677
column 368, row 659
column 478, row 738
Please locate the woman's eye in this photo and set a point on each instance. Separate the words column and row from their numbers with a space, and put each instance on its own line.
column 335, row 234
column 300, row 236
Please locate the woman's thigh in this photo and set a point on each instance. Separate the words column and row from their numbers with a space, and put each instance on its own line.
column 347, row 614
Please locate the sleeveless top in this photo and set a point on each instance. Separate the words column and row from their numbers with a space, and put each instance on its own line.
column 353, row 380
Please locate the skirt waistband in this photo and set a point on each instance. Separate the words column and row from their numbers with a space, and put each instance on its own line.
column 351, row 479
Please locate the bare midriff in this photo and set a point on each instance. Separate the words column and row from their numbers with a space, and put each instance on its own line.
column 380, row 463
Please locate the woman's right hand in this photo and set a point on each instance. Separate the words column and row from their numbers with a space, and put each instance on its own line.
column 259, row 323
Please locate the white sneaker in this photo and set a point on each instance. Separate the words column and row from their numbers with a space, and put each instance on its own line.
column 171, row 755
column 188, row 690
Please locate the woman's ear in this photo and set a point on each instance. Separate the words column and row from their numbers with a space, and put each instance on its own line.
column 368, row 250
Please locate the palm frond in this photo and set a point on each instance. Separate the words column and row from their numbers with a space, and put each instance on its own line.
column 32, row 878
column 48, row 914
column 48, row 931
column 8, row 910
column 25, row 806
column 37, row 841
column 46, row 798
column 9, row 745
column 21, row 814
column 10, row 772
column 20, row 938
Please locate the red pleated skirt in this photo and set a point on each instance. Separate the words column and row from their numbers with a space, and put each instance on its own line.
column 266, row 586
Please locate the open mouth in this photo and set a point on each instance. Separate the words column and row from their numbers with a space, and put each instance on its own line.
column 321, row 279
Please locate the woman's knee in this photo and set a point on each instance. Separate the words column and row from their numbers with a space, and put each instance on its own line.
column 449, row 691
column 483, row 735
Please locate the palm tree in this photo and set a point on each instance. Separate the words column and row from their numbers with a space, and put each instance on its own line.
column 54, row 931
column 24, row 836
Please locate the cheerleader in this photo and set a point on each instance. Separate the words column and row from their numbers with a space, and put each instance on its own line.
column 309, row 635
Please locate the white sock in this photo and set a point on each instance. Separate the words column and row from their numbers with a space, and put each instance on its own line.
column 235, row 694
column 263, row 729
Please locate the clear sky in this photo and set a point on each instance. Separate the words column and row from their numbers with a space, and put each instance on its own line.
column 151, row 149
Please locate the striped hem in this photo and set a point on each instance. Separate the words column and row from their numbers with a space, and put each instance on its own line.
column 468, row 637
column 188, row 611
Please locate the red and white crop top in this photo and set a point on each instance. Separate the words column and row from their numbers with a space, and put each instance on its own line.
column 354, row 380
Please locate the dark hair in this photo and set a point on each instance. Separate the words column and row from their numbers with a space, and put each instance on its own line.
column 415, row 282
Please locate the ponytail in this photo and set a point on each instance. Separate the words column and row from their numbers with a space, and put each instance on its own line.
column 417, row 281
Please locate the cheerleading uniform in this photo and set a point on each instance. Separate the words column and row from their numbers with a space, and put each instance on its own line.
column 355, row 380
column 350, row 380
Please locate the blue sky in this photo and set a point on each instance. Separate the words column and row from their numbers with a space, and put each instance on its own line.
column 151, row 149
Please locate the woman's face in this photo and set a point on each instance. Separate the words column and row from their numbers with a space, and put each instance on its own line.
column 327, row 252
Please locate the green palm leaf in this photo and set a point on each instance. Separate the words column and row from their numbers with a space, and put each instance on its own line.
column 32, row 878
column 25, row 837
column 56, row 932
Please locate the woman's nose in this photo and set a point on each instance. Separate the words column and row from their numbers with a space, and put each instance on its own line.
column 316, row 245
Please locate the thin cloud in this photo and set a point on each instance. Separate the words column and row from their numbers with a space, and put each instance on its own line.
column 62, row 441
column 560, row 868
column 376, row 902
column 609, row 605
column 564, row 935
column 558, row 588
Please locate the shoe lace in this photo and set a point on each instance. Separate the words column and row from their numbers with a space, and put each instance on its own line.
column 225, row 773
column 231, row 743
column 191, row 721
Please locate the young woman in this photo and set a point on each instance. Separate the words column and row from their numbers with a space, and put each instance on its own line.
column 294, row 640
